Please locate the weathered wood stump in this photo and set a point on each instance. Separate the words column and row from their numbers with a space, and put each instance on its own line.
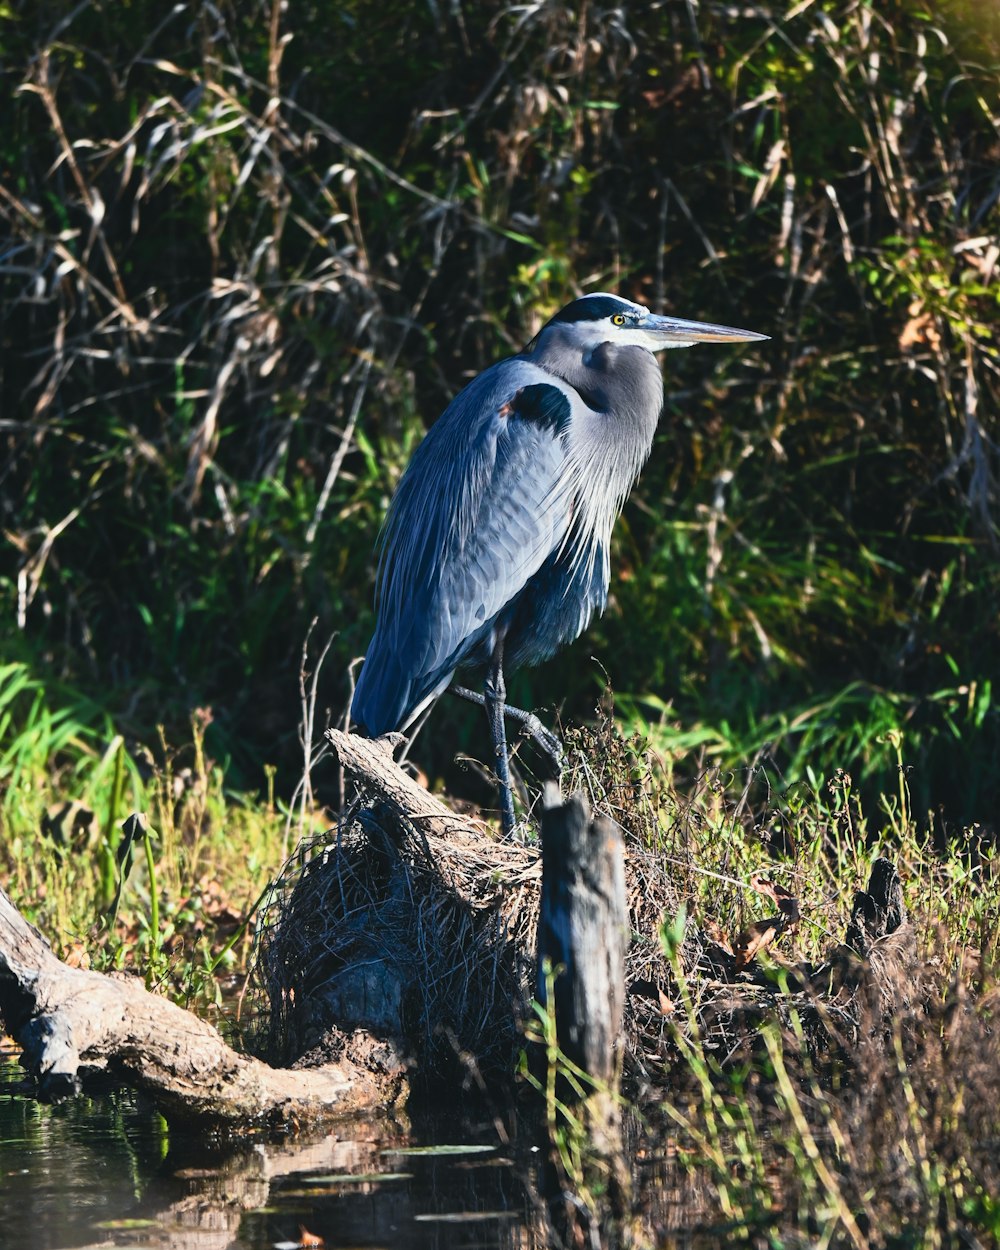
column 582, row 933
column 878, row 911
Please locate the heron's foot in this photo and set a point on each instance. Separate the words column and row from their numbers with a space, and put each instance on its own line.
column 547, row 741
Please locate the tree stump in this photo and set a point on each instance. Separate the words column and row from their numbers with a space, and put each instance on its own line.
column 582, row 930
column 582, row 937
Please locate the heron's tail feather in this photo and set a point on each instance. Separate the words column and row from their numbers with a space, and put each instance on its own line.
column 388, row 698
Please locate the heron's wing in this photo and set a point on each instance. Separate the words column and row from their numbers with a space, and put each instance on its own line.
column 482, row 505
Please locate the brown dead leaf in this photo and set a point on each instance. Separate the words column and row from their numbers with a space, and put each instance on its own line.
column 76, row 955
column 714, row 931
column 787, row 903
column 770, row 889
column 755, row 938
column 920, row 330
column 666, row 1004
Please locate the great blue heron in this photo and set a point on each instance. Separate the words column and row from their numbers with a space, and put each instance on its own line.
column 495, row 547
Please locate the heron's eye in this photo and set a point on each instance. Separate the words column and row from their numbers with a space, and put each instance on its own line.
column 618, row 320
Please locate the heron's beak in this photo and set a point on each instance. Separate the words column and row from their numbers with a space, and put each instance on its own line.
column 673, row 332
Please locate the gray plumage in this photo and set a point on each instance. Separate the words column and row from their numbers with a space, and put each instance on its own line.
column 495, row 547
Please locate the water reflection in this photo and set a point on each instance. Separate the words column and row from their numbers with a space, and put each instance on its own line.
column 107, row 1171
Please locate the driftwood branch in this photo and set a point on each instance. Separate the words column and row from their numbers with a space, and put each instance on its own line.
column 66, row 1019
column 463, row 848
column 370, row 761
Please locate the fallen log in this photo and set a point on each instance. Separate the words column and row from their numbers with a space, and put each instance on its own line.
column 66, row 1019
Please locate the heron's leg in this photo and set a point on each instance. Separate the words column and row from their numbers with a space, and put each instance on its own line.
column 544, row 738
column 495, row 694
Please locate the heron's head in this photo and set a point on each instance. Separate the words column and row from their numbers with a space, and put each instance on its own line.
column 602, row 318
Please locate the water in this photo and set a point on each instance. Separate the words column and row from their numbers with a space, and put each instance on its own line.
column 107, row 1171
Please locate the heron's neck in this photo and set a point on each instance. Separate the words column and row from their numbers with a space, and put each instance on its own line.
column 622, row 385
column 611, row 438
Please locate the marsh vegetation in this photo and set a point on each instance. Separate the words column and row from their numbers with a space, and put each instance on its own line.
column 249, row 251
